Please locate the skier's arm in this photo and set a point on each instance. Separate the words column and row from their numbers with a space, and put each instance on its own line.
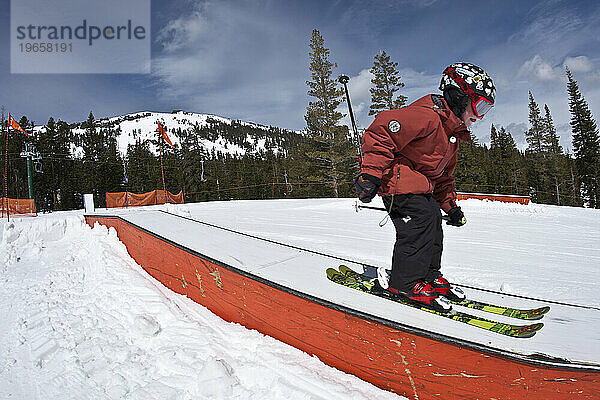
column 443, row 191
column 378, row 150
column 387, row 136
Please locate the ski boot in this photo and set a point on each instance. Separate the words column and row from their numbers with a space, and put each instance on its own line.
column 424, row 294
column 442, row 287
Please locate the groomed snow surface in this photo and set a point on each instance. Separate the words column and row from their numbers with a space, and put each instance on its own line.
column 70, row 330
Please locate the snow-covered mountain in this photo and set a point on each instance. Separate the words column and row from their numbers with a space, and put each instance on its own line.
column 142, row 126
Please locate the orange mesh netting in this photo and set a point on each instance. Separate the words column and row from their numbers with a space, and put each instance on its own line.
column 128, row 199
column 494, row 197
column 10, row 206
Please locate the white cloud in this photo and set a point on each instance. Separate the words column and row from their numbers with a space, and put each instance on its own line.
column 539, row 69
column 579, row 64
column 233, row 59
column 418, row 84
column 359, row 85
column 178, row 33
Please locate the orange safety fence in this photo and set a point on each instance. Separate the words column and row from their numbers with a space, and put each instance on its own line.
column 128, row 199
column 17, row 207
column 505, row 198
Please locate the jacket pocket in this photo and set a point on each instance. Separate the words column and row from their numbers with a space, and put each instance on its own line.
column 410, row 181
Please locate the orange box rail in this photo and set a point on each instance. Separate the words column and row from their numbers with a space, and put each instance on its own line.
column 391, row 356
column 505, row 198
column 128, row 199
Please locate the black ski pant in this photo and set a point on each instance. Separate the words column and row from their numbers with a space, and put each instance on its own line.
column 419, row 236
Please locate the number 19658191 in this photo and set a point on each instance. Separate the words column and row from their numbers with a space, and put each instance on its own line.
column 46, row 47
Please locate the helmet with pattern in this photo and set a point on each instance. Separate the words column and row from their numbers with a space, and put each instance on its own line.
column 471, row 83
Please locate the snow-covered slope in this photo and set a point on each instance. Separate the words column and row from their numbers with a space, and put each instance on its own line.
column 142, row 126
column 71, row 330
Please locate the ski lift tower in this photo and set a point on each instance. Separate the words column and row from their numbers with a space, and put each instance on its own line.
column 31, row 154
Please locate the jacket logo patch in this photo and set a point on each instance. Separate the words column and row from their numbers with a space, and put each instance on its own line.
column 394, row 126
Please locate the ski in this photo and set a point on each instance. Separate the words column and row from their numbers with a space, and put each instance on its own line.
column 516, row 331
column 527, row 314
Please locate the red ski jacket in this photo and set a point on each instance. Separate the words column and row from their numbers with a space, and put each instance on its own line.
column 413, row 149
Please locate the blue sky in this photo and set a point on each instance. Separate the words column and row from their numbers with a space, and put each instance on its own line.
column 249, row 59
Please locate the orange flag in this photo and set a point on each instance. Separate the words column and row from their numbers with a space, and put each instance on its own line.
column 164, row 134
column 13, row 124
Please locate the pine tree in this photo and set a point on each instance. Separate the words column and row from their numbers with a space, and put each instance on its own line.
column 535, row 153
column 46, row 184
column 68, row 195
column 90, row 144
column 109, row 166
column 103, row 168
column 495, row 162
column 330, row 151
column 470, row 169
column 515, row 164
column 555, row 163
column 551, row 142
column 586, row 143
column 535, row 134
column 143, row 168
column 506, row 171
column 387, row 82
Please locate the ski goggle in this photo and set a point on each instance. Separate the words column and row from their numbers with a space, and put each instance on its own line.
column 481, row 105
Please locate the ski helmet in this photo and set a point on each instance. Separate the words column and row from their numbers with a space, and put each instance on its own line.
column 472, row 81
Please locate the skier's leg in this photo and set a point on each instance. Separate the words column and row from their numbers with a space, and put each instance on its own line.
column 415, row 229
column 434, row 275
column 437, row 242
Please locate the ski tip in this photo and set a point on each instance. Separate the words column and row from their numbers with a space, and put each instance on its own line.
column 527, row 331
column 331, row 271
column 536, row 314
column 541, row 311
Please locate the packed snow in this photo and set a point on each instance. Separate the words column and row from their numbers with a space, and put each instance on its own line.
column 70, row 331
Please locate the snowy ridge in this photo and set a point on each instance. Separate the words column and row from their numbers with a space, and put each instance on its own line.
column 82, row 320
column 141, row 126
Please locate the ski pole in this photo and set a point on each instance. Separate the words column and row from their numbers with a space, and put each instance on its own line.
column 358, row 206
column 343, row 79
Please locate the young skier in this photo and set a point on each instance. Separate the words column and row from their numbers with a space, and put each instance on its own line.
column 409, row 158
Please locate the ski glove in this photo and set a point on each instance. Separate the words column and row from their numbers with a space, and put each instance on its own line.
column 366, row 187
column 456, row 217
